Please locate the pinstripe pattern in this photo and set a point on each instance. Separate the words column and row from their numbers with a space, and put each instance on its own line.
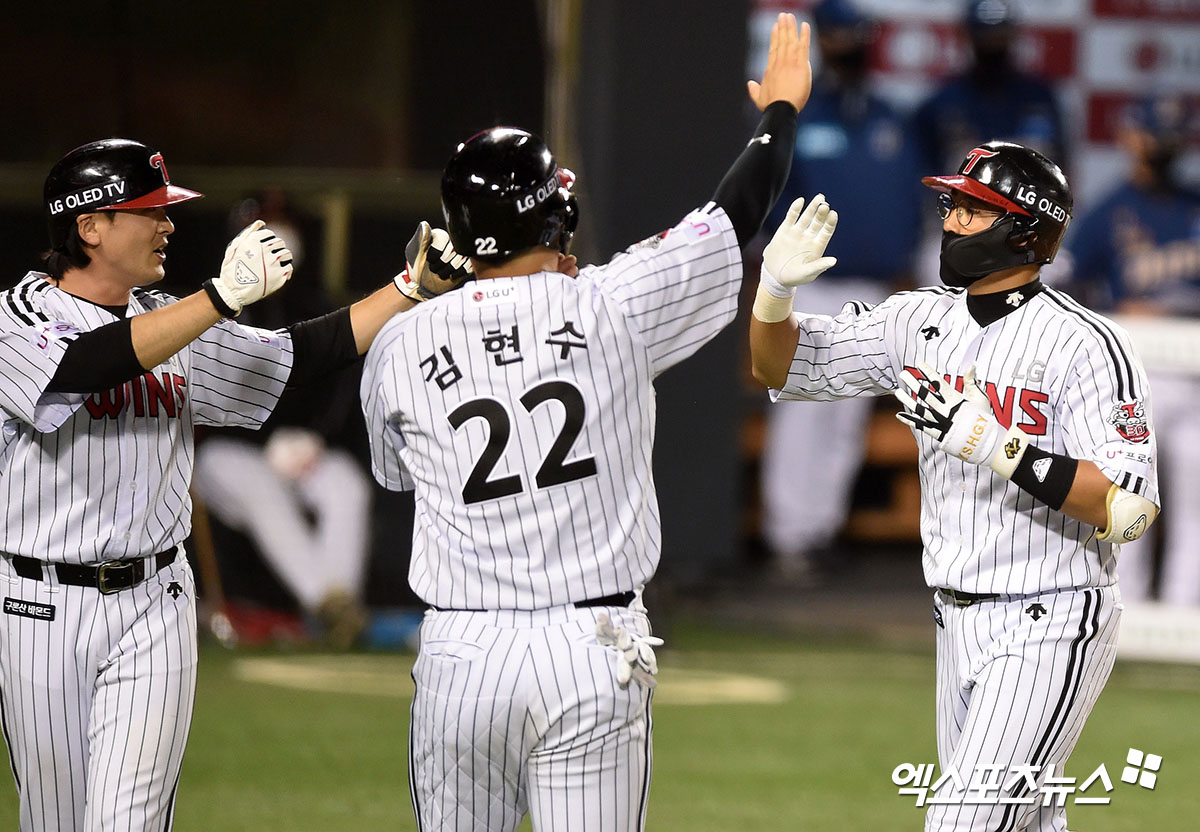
column 545, row 385
column 980, row 532
column 1015, row 684
column 57, row 455
column 1012, row 690
column 640, row 314
column 519, row 711
column 97, row 702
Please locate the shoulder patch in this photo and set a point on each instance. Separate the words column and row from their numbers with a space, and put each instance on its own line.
column 42, row 335
column 1129, row 419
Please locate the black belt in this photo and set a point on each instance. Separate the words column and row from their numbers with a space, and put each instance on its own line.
column 109, row 577
column 966, row 599
column 619, row 599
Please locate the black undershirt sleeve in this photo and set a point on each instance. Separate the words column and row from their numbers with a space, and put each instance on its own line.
column 321, row 346
column 754, row 182
column 97, row 361
column 104, row 358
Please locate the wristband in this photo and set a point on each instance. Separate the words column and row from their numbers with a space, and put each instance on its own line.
column 217, row 301
column 777, row 289
column 1046, row 476
column 770, row 308
column 1011, row 451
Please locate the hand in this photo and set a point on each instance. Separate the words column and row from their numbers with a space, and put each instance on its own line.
column 293, row 452
column 788, row 76
column 635, row 653
column 256, row 264
column 568, row 264
column 962, row 424
column 794, row 255
column 432, row 266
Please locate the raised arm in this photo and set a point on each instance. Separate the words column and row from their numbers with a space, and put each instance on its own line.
column 756, row 179
column 256, row 264
column 328, row 343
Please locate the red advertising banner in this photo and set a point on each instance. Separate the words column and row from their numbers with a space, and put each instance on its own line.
column 1159, row 10
column 1107, row 110
column 939, row 49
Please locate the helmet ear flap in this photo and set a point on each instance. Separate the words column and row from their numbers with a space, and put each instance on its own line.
column 1023, row 236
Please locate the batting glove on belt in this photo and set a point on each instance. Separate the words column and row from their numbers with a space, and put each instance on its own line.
column 256, row 264
column 432, row 266
column 794, row 257
column 635, row 653
column 962, row 424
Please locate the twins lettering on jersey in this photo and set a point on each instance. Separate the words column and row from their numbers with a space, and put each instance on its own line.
column 145, row 394
column 1004, row 400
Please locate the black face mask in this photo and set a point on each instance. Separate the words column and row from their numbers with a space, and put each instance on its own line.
column 965, row 259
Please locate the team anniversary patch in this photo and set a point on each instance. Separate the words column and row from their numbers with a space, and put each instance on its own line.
column 1129, row 418
column 28, row 609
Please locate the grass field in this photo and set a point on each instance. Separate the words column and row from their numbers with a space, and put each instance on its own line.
column 750, row 733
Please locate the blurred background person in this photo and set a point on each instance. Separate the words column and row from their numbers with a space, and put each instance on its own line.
column 294, row 488
column 991, row 98
column 1137, row 252
column 852, row 146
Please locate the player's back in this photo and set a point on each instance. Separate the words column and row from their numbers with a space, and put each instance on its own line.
column 521, row 410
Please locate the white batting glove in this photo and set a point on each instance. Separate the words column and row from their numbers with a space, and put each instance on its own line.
column 256, row 264
column 962, row 424
column 432, row 266
column 293, row 452
column 635, row 653
column 794, row 256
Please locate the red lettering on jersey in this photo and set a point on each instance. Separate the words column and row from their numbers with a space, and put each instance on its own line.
column 139, row 398
column 1004, row 412
column 156, row 161
column 974, row 156
column 159, row 393
column 144, row 393
column 1030, row 399
column 106, row 405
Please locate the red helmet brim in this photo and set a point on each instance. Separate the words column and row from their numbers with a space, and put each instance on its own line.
column 973, row 188
column 166, row 195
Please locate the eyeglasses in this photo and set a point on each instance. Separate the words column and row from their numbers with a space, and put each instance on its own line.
column 963, row 211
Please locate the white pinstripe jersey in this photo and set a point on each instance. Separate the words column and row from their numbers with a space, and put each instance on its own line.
column 522, row 412
column 1070, row 379
column 87, row 478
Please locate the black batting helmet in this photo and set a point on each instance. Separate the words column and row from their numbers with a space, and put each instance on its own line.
column 1024, row 184
column 503, row 192
column 108, row 175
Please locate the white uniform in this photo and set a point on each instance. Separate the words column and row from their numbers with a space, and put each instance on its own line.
column 97, row 688
column 1018, row 673
column 312, row 527
column 521, row 410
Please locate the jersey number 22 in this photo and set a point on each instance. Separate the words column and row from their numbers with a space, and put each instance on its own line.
column 555, row 470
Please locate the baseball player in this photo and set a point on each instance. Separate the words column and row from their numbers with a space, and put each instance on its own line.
column 521, row 411
column 1036, row 460
column 101, row 384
